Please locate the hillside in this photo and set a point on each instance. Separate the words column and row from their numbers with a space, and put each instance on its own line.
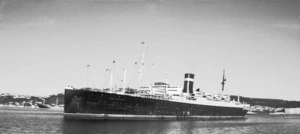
column 275, row 103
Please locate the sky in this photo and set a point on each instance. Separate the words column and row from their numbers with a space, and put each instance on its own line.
column 46, row 45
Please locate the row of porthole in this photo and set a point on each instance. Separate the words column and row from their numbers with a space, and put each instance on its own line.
column 159, row 106
column 120, row 103
column 139, row 105
column 152, row 111
column 158, row 111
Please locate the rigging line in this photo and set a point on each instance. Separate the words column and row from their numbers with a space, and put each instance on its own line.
column 120, row 67
column 123, row 80
column 143, row 81
column 107, row 77
column 133, row 73
column 105, row 82
column 118, row 79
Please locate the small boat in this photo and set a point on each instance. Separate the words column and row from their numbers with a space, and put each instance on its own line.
column 43, row 105
column 251, row 113
column 47, row 106
column 278, row 112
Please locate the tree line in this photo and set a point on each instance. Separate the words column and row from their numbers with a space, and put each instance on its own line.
column 275, row 103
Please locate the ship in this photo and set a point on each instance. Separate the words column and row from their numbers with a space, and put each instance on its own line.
column 159, row 101
column 50, row 107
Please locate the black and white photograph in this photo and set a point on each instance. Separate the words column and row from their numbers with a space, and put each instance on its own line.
column 149, row 66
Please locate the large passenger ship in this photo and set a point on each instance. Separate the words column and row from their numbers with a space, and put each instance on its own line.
column 159, row 101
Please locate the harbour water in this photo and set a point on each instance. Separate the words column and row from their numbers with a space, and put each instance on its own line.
column 46, row 121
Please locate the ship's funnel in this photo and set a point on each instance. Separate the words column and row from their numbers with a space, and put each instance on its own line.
column 188, row 83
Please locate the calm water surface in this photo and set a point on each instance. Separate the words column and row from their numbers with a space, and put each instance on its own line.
column 43, row 121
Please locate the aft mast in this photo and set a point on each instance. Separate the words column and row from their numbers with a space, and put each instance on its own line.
column 223, row 82
column 124, row 80
column 142, row 64
column 87, row 75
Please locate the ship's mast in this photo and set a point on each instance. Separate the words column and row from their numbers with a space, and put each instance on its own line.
column 87, row 75
column 142, row 64
column 223, row 82
column 111, row 80
column 124, row 80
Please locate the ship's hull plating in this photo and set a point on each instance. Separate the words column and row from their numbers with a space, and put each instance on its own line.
column 81, row 104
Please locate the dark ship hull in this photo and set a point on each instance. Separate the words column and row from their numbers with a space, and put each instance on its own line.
column 84, row 104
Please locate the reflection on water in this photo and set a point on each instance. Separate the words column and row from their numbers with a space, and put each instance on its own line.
column 30, row 121
column 43, row 121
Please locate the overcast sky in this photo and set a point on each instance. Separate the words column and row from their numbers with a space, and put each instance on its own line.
column 45, row 45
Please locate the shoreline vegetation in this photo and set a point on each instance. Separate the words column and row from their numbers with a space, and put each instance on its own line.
column 264, row 105
column 7, row 99
column 275, row 103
